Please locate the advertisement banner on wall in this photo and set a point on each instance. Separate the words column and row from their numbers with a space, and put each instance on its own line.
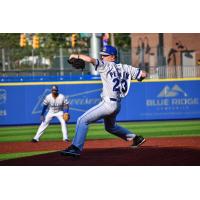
column 165, row 100
column 22, row 104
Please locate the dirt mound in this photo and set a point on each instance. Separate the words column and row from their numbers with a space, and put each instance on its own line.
column 155, row 152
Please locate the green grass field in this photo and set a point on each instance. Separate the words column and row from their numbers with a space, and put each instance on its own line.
column 7, row 156
column 96, row 131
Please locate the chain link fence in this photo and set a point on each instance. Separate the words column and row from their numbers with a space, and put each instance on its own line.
column 53, row 62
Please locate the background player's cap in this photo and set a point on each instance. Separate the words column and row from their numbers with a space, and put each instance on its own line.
column 108, row 50
column 54, row 87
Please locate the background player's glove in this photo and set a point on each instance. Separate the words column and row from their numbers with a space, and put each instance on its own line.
column 66, row 117
column 77, row 63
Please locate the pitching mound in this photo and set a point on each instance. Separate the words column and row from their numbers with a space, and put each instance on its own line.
column 155, row 152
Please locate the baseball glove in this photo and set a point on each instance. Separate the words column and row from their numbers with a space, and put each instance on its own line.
column 77, row 63
column 66, row 117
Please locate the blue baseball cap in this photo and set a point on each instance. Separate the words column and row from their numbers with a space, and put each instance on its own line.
column 109, row 50
column 54, row 87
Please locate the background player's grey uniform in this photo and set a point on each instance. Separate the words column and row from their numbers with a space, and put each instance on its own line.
column 116, row 80
column 56, row 107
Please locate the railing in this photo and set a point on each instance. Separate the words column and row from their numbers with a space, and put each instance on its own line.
column 42, row 72
column 174, row 72
column 69, row 75
column 20, row 62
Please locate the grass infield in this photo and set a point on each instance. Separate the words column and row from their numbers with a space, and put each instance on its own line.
column 7, row 156
column 96, row 131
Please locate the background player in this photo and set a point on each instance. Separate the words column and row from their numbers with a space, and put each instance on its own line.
column 57, row 105
column 116, row 80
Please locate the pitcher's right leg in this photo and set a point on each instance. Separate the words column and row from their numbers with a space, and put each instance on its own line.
column 112, row 127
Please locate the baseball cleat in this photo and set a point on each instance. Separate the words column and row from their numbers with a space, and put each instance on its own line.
column 67, row 140
column 137, row 141
column 34, row 140
column 71, row 151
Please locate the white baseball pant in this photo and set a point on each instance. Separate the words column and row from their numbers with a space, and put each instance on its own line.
column 106, row 110
column 45, row 124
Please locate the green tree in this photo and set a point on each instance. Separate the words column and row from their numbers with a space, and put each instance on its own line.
column 123, row 40
column 9, row 40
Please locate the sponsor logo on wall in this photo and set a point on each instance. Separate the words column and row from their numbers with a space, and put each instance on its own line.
column 172, row 98
column 79, row 102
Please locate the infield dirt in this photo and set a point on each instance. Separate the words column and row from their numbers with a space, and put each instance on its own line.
column 179, row 151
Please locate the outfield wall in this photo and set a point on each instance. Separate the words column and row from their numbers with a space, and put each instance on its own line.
column 21, row 103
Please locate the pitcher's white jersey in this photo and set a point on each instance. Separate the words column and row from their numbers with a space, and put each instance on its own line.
column 116, row 78
column 55, row 104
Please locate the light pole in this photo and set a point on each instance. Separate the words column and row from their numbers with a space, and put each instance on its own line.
column 61, row 61
column 112, row 39
column 33, row 65
column 160, row 51
column 94, row 50
column 3, row 60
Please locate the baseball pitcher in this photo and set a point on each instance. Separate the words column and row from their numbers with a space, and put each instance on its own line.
column 116, row 79
column 58, row 107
